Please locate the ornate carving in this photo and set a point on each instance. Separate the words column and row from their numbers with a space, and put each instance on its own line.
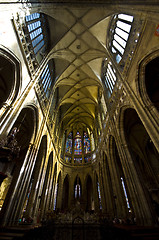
column 9, row 146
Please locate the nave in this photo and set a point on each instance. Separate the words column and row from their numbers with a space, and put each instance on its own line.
column 79, row 110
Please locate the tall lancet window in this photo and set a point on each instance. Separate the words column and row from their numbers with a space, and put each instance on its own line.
column 77, row 188
column 109, row 76
column 99, row 195
column 37, row 29
column 120, row 34
column 87, row 147
column 46, row 80
column 55, row 198
column 69, row 143
column 125, row 193
column 78, row 144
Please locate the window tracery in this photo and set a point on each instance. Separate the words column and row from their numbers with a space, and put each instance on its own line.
column 47, row 79
column 36, row 27
column 87, row 147
column 78, row 144
column 77, row 188
column 69, row 143
column 120, row 34
column 78, row 148
column 99, row 195
column 109, row 76
column 125, row 193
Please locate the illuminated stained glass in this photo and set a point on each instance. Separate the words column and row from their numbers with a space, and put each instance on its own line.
column 99, row 195
column 67, row 159
column 87, row 159
column 78, row 144
column 77, row 160
column 77, row 191
column 55, row 198
column 69, row 144
column 87, row 147
column 126, row 197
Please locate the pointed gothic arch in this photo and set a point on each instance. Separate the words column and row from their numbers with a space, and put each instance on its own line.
column 46, row 191
column 89, row 191
column 135, row 140
column 77, row 188
column 57, row 195
column 65, row 193
column 10, row 77
column 147, row 83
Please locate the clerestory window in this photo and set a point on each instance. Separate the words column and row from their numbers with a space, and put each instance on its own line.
column 36, row 26
column 120, row 34
column 87, row 147
column 109, row 76
column 69, row 143
column 125, row 193
column 99, row 195
column 47, row 78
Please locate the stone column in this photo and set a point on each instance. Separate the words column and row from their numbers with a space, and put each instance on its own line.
column 108, row 190
column 119, row 198
column 95, row 193
column 138, row 198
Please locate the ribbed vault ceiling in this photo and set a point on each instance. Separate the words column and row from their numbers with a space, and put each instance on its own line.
column 78, row 53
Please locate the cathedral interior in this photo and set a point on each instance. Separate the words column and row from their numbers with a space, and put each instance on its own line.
column 79, row 117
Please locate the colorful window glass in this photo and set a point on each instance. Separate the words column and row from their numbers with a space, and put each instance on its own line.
column 87, row 147
column 69, row 143
column 77, row 191
column 87, row 159
column 77, row 160
column 78, row 144
column 67, row 159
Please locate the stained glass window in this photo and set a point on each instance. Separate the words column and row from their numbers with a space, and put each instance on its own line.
column 77, row 191
column 87, row 147
column 78, row 144
column 77, row 188
column 67, row 159
column 99, row 195
column 55, row 197
column 87, row 159
column 77, row 160
column 125, row 193
column 69, row 144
